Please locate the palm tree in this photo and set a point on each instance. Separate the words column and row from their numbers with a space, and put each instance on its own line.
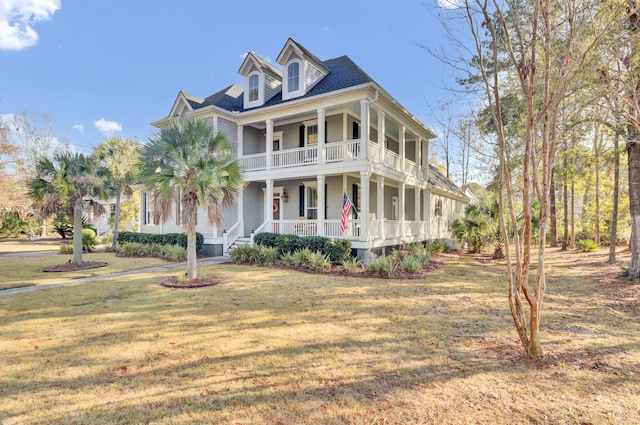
column 189, row 161
column 69, row 183
column 120, row 157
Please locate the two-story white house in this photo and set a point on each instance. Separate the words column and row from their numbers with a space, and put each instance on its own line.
column 307, row 131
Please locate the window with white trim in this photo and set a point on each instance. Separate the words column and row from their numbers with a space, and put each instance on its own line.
column 293, row 76
column 311, row 133
column 254, row 88
column 147, row 210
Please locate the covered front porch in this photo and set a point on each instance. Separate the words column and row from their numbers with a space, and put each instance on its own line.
column 386, row 213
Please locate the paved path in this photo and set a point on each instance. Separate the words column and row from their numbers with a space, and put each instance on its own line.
column 26, row 253
column 210, row 260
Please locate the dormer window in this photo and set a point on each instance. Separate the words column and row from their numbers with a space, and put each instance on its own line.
column 254, row 87
column 293, row 76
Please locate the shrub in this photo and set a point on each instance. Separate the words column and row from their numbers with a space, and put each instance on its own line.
column 436, row 246
column 174, row 252
column 166, row 239
column 133, row 249
column 338, row 250
column 288, row 259
column 586, row 245
column 382, row 266
column 11, row 225
column 289, row 243
column 241, row 254
column 301, row 257
column 266, row 254
column 266, row 239
column 89, row 240
column 66, row 248
column 318, row 262
column 410, row 264
column 351, row 265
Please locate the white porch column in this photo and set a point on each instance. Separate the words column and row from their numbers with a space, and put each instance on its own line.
column 321, row 136
column 382, row 129
column 402, row 149
column 364, row 208
column 380, row 207
column 416, row 225
column 402, row 207
column 417, row 156
column 321, row 205
column 268, row 201
column 269, row 145
column 240, row 201
column 364, row 127
column 240, row 141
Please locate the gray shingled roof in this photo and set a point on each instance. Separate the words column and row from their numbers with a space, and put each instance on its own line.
column 437, row 179
column 343, row 73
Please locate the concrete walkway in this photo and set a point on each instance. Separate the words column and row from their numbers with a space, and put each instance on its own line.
column 26, row 253
column 210, row 260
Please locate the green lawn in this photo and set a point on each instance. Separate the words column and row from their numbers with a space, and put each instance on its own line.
column 26, row 271
column 271, row 346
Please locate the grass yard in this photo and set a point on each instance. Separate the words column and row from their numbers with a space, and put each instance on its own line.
column 271, row 346
column 27, row 271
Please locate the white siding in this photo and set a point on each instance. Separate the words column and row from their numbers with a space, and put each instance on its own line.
column 313, row 75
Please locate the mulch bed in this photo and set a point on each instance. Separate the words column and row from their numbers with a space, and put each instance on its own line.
column 73, row 267
column 184, row 283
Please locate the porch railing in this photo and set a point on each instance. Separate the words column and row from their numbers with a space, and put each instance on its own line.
column 254, row 162
column 231, row 235
column 293, row 157
column 342, row 151
column 264, row 227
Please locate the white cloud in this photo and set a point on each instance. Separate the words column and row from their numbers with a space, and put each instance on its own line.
column 17, row 18
column 266, row 58
column 450, row 4
column 79, row 127
column 107, row 128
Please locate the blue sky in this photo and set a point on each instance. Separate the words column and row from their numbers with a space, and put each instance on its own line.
column 111, row 67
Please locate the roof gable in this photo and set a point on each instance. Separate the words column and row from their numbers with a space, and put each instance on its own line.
column 292, row 47
column 252, row 60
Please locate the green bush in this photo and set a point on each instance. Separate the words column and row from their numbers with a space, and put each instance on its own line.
column 301, row 257
column 318, row 262
column 133, row 249
column 288, row 259
column 436, row 246
column 66, row 248
column 242, row 254
column 410, row 264
column 174, row 253
column 337, row 250
column 167, row 252
column 382, row 266
column 89, row 240
column 165, row 239
column 12, row 226
column 586, row 245
column 266, row 254
column 351, row 265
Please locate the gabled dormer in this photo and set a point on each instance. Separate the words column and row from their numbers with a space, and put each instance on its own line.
column 184, row 104
column 262, row 81
column 301, row 70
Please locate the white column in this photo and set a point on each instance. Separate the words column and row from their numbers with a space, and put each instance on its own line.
column 321, row 206
column 269, row 143
column 402, row 149
column 380, row 212
column 268, row 201
column 401, row 207
column 427, row 212
column 321, row 136
column 240, row 141
column 364, row 127
column 364, row 208
column 382, row 129
column 417, row 211
column 417, row 156
column 241, row 210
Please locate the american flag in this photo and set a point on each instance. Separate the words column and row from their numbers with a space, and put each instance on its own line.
column 346, row 209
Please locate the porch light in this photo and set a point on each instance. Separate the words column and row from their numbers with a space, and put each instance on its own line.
column 285, row 195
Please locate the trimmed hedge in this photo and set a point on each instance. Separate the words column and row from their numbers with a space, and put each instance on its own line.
column 166, row 239
column 338, row 250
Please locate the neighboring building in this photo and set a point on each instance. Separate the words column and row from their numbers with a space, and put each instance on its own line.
column 306, row 133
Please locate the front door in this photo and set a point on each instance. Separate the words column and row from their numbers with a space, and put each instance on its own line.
column 277, row 208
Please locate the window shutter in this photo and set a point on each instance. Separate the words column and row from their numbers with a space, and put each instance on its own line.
column 354, row 197
column 326, row 133
column 355, row 132
column 301, row 144
column 326, row 205
column 301, row 201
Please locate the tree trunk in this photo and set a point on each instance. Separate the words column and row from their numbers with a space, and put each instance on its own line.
column 116, row 221
column 613, row 238
column 77, row 234
column 553, row 225
column 596, row 148
column 43, row 231
column 573, row 215
column 633, row 145
column 565, row 208
column 192, row 270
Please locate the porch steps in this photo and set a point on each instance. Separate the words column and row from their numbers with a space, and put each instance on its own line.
column 241, row 241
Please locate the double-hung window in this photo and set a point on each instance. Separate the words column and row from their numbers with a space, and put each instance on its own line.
column 254, row 87
column 293, row 77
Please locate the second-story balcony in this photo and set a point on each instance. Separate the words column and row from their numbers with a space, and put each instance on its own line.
column 346, row 151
